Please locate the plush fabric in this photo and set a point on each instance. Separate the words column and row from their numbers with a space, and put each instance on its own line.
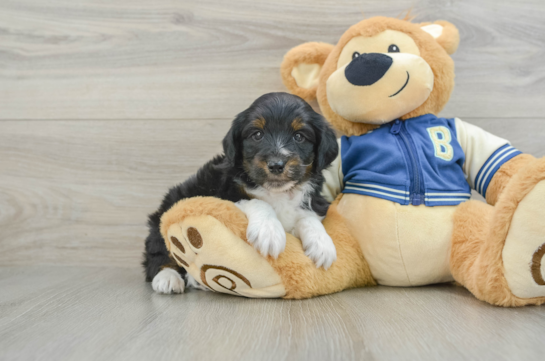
column 219, row 259
column 440, row 63
column 393, row 236
column 383, row 173
column 302, row 279
column 305, row 54
column 223, row 259
column 495, row 250
column 504, row 174
column 480, row 233
column 449, row 37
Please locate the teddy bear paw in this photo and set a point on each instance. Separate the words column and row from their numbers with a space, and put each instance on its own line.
column 220, row 261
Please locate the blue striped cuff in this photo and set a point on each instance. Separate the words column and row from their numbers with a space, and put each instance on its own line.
column 446, row 199
column 399, row 195
column 491, row 166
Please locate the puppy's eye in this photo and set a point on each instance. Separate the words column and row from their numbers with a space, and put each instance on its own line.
column 298, row 137
column 355, row 55
column 257, row 136
column 393, row 48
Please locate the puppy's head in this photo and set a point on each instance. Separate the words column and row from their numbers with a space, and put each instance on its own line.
column 280, row 142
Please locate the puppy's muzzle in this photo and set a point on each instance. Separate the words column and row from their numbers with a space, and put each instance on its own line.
column 276, row 166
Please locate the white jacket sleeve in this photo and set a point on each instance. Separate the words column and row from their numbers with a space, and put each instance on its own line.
column 333, row 175
column 485, row 154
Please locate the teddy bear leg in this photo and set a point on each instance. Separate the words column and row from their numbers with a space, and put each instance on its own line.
column 497, row 252
column 207, row 236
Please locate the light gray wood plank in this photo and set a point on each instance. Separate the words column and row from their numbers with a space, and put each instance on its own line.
column 170, row 59
column 78, row 192
column 81, row 191
column 79, row 313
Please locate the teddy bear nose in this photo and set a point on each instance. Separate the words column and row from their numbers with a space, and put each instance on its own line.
column 367, row 69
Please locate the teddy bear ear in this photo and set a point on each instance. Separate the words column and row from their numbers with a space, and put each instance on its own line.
column 301, row 68
column 444, row 33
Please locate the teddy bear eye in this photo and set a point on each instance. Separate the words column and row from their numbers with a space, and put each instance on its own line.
column 393, row 48
column 355, row 55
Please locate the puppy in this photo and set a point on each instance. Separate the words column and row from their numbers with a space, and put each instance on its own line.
column 272, row 168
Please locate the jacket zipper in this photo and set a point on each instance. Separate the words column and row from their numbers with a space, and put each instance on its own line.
column 416, row 195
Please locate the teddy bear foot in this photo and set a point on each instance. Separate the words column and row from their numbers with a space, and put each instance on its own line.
column 220, row 261
column 524, row 249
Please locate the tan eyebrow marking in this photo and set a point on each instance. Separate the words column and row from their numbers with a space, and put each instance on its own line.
column 297, row 124
column 259, row 123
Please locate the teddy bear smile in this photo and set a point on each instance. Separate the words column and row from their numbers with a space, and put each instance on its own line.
column 403, row 87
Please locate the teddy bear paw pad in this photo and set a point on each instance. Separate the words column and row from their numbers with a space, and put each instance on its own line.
column 220, row 261
column 524, row 249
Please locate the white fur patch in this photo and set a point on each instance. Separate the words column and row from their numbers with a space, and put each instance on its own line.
column 265, row 232
column 286, row 187
column 168, row 281
column 273, row 213
column 317, row 244
column 284, row 151
column 287, row 204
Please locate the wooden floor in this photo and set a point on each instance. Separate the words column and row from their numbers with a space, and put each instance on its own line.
column 85, row 313
column 105, row 104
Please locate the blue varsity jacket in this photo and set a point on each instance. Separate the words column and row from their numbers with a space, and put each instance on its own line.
column 422, row 161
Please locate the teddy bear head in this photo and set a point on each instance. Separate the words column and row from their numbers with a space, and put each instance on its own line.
column 380, row 70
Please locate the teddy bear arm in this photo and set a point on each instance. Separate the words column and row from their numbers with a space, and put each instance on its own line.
column 490, row 161
column 504, row 175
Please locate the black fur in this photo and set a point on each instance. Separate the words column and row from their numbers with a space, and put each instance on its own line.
column 247, row 163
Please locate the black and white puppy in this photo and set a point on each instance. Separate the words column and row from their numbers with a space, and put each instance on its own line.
column 272, row 168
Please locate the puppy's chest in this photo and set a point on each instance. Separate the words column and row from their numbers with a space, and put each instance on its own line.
column 287, row 206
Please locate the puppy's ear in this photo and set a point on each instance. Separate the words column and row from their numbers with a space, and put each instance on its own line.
column 327, row 147
column 301, row 67
column 232, row 142
column 230, row 148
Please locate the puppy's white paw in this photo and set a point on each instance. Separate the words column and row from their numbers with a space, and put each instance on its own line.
column 168, row 281
column 267, row 236
column 321, row 250
column 265, row 232
column 317, row 244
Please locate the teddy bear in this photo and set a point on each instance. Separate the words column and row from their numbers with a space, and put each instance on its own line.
column 401, row 213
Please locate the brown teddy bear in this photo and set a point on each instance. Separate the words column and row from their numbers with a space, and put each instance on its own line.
column 401, row 213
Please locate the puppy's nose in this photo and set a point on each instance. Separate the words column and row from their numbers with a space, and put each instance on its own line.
column 367, row 69
column 276, row 166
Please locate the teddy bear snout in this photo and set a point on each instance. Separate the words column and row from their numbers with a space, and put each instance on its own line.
column 368, row 68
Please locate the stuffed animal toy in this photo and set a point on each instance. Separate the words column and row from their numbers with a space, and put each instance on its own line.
column 401, row 214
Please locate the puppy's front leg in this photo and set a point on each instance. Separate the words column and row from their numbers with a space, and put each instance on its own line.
column 317, row 244
column 265, row 232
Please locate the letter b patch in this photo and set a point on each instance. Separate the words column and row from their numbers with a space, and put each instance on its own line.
column 440, row 136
